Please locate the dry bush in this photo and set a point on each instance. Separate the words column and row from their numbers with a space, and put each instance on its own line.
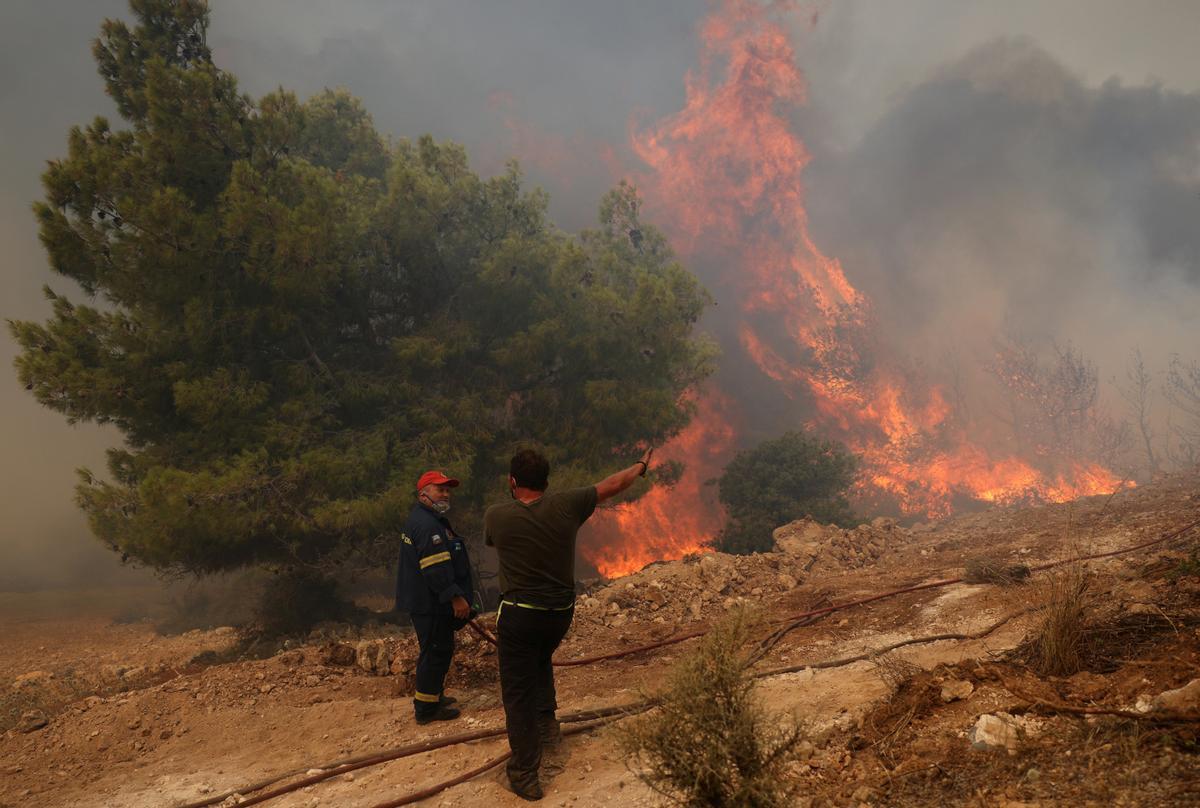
column 894, row 670
column 1059, row 646
column 709, row 744
column 990, row 571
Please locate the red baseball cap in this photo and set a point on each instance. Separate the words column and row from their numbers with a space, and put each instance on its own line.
column 436, row 478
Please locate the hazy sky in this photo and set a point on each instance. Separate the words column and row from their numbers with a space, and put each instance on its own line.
column 1104, row 191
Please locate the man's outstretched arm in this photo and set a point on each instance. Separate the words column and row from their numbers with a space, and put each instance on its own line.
column 614, row 484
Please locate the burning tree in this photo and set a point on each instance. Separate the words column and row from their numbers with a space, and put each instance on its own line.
column 296, row 317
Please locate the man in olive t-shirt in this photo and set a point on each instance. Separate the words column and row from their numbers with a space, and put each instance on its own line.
column 534, row 537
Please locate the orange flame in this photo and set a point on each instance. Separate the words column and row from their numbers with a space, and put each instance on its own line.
column 668, row 523
column 725, row 174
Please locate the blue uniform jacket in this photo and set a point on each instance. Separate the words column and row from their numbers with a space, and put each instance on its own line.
column 434, row 566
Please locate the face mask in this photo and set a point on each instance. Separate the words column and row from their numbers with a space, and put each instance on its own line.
column 440, row 507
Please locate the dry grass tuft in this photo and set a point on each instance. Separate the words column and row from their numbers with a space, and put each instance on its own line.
column 990, row 571
column 709, row 743
column 1060, row 644
column 894, row 670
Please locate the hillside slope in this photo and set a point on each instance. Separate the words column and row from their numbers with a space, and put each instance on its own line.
column 134, row 719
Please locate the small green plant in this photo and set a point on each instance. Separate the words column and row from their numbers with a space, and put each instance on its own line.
column 709, row 743
column 780, row 480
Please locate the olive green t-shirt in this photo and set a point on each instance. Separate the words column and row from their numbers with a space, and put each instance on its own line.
column 536, row 545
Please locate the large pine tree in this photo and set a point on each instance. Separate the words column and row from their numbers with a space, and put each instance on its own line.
column 292, row 317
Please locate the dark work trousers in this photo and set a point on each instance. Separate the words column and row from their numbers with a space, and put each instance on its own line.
column 435, row 634
column 528, row 637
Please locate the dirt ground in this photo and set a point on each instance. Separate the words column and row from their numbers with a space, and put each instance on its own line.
column 133, row 718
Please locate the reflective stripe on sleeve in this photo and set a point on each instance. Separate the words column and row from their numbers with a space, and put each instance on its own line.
column 436, row 558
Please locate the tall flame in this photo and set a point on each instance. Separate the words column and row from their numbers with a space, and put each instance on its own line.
column 669, row 522
column 725, row 174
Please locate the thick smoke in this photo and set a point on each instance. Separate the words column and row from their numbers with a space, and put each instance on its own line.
column 1004, row 196
column 964, row 194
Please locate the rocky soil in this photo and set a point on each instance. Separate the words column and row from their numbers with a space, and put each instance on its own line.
column 100, row 713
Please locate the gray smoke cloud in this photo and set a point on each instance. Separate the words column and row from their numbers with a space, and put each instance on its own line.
column 1004, row 194
column 974, row 163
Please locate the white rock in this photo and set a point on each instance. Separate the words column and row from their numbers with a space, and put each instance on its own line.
column 1183, row 699
column 999, row 731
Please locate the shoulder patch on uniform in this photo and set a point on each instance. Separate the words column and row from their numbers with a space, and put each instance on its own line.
column 437, row 539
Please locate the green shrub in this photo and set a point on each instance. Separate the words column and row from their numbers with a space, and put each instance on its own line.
column 709, row 743
column 780, row 480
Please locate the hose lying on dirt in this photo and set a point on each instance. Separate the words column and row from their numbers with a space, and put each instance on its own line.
column 344, row 765
column 878, row 652
column 691, row 635
column 417, row 796
column 351, row 764
column 595, row 718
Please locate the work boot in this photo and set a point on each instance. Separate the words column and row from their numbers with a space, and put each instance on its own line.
column 442, row 713
column 530, row 790
column 446, row 701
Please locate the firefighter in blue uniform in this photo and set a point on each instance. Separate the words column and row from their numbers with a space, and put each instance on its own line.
column 434, row 586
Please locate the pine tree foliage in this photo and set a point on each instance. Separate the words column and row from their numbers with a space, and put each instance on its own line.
column 779, row 481
column 290, row 317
